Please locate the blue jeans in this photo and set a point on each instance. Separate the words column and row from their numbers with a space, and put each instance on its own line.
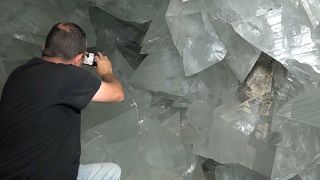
column 99, row 171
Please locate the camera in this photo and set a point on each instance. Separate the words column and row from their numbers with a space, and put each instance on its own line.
column 89, row 59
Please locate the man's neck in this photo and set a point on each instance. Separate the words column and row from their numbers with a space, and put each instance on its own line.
column 56, row 60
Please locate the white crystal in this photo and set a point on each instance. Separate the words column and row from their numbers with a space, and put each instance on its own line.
column 312, row 8
column 162, row 72
column 138, row 10
column 192, row 34
column 241, row 60
column 158, row 36
column 288, row 37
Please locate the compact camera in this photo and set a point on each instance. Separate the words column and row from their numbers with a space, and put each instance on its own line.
column 89, row 59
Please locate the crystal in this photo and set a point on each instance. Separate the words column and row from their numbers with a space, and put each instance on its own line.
column 298, row 151
column 158, row 36
column 162, row 72
column 133, row 57
column 311, row 173
column 200, row 116
column 131, row 10
column 305, row 107
column 241, row 60
column 230, row 134
column 233, row 10
column 288, row 37
column 13, row 49
column 163, row 149
column 236, row 132
column 312, row 8
column 98, row 142
column 172, row 124
column 193, row 35
column 236, row 172
column 19, row 21
column 113, row 32
column 222, row 84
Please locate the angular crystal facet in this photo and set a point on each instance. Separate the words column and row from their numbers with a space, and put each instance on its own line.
column 288, row 37
column 172, row 124
column 305, row 107
column 158, row 37
column 233, row 10
column 113, row 32
column 131, row 10
column 163, row 150
column 298, row 151
column 193, row 35
column 98, row 143
column 312, row 8
column 162, row 72
column 236, row 172
column 240, row 60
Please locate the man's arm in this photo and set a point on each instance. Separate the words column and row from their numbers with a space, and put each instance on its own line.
column 110, row 89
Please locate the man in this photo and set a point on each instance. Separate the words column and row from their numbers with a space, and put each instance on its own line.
column 41, row 106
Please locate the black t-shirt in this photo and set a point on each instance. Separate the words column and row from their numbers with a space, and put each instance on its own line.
column 40, row 113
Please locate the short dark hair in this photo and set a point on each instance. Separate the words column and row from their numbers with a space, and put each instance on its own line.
column 65, row 40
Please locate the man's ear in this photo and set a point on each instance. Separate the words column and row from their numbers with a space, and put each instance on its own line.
column 78, row 59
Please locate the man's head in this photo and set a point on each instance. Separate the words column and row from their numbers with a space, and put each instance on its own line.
column 66, row 41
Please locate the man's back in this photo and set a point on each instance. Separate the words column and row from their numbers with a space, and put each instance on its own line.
column 40, row 120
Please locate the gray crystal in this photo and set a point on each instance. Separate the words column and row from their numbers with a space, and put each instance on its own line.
column 288, row 37
column 172, row 124
column 236, row 132
column 236, row 172
column 163, row 150
column 305, row 107
column 299, row 149
column 18, row 19
column 108, row 137
column 131, row 10
column 312, row 8
column 13, row 49
column 233, row 10
column 200, row 116
column 240, row 60
column 158, row 37
column 230, row 133
column 113, row 32
column 162, row 72
column 192, row 34
column 221, row 83
column 311, row 173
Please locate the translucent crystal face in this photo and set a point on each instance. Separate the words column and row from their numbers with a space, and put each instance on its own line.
column 234, row 81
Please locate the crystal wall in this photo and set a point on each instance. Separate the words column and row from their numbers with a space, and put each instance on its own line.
column 215, row 89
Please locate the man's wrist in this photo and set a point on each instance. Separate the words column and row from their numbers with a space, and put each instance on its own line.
column 108, row 77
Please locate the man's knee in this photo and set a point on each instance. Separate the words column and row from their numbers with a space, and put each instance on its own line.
column 99, row 171
column 114, row 169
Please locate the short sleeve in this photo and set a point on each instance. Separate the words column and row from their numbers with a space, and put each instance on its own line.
column 78, row 87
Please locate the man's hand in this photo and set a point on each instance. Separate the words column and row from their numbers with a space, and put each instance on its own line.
column 104, row 67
